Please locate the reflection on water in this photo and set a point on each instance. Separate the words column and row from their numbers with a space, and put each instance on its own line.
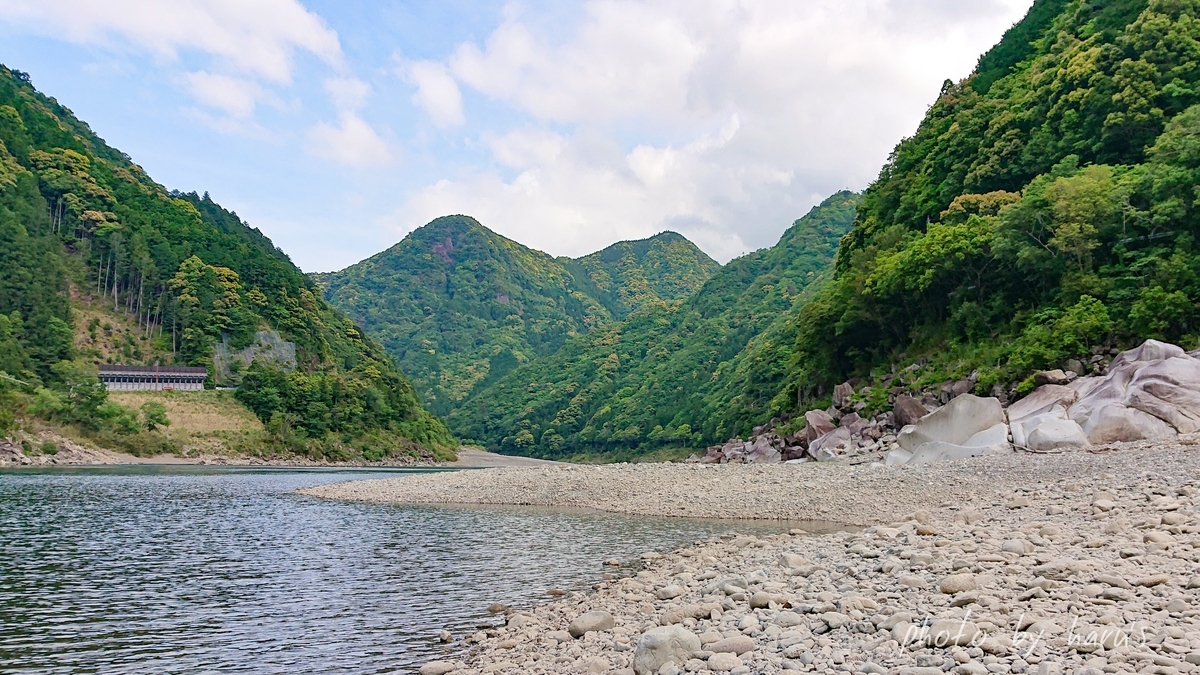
column 198, row 569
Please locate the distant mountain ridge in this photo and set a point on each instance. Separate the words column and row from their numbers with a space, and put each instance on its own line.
column 676, row 374
column 459, row 305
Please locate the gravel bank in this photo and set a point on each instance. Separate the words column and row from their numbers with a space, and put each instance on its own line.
column 1075, row 563
column 827, row 491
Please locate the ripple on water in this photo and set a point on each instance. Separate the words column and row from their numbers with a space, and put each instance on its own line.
column 189, row 569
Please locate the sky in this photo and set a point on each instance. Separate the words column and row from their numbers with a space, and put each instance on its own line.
column 338, row 126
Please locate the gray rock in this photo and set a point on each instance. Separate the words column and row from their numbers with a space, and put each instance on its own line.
column 819, row 423
column 968, row 426
column 437, row 668
column 598, row 620
column 841, row 394
column 763, row 451
column 669, row 592
column 1056, row 434
column 947, row 632
column 789, row 619
column 1050, row 377
column 660, row 646
column 957, row 583
column 1151, row 392
column 739, row 645
column 835, row 620
column 824, row 448
column 908, row 410
column 1048, row 402
column 723, row 662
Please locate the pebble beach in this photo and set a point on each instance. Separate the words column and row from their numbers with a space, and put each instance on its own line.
column 1081, row 562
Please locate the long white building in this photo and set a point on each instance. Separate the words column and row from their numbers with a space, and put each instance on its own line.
column 145, row 378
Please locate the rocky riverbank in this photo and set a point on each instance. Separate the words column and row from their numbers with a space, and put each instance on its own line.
column 839, row 492
column 1073, row 563
column 49, row 449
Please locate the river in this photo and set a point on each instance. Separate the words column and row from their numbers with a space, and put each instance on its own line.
column 202, row 569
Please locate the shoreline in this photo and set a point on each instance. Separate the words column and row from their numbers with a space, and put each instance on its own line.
column 860, row 495
column 74, row 454
column 1078, row 563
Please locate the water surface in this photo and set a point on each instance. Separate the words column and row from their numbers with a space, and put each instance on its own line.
column 201, row 570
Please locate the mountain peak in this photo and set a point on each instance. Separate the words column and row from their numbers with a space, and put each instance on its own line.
column 460, row 305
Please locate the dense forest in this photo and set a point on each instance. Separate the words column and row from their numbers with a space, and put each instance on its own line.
column 459, row 306
column 81, row 225
column 1046, row 205
column 674, row 373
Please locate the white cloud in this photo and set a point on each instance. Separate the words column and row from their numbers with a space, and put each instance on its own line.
column 259, row 37
column 577, row 194
column 251, row 43
column 236, row 97
column 350, row 142
column 437, row 93
column 347, row 93
column 721, row 120
column 627, row 58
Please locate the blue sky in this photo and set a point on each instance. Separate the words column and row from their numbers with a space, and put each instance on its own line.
column 337, row 127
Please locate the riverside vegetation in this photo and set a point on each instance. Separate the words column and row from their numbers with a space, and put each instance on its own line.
column 99, row 263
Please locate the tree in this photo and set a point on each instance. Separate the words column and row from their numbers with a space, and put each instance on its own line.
column 154, row 415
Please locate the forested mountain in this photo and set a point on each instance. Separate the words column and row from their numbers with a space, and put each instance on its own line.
column 672, row 373
column 85, row 232
column 1048, row 203
column 459, row 305
column 632, row 274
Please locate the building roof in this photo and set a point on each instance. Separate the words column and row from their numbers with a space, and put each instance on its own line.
column 160, row 370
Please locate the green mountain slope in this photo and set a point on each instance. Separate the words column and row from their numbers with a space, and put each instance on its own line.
column 632, row 274
column 673, row 373
column 85, row 232
column 1047, row 204
column 459, row 306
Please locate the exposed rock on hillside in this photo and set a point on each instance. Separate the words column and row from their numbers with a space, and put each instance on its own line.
column 1148, row 393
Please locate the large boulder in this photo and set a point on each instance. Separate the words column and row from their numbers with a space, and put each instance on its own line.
column 907, row 410
column 1047, row 404
column 826, row 447
column 763, row 450
column 842, row 394
column 819, row 423
column 853, row 423
column 1051, row 377
column 1151, row 392
column 598, row 620
column 1057, row 434
column 967, row 426
column 660, row 646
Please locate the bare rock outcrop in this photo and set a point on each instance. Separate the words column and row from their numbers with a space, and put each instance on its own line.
column 967, row 426
column 1149, row 393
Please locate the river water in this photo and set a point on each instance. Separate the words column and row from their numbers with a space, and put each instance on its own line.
column 204, row 570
